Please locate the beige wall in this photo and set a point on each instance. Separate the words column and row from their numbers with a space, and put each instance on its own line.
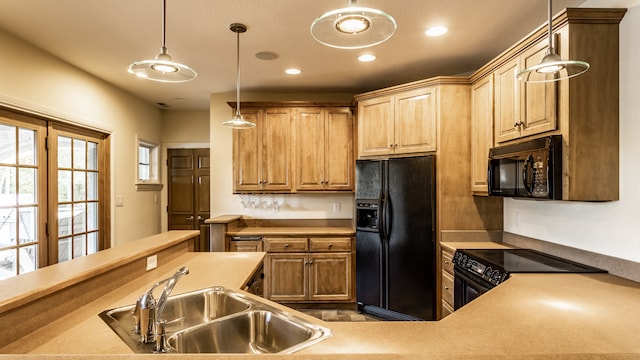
column 181, row 126
column 313, row 206
column 33, row 80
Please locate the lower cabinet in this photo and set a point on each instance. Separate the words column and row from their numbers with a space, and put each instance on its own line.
column 447, row 282
column 309, row 269
column 245, row 245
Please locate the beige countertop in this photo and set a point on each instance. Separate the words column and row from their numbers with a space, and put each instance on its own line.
column 293, row 231
column 529, row 316
column 454, row 245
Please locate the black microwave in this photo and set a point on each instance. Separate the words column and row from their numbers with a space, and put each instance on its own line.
column 530, row 169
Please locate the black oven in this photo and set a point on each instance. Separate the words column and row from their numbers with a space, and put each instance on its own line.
column 477, row 271
column 467, row 288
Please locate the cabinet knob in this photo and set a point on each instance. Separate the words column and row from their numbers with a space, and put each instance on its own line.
column 330, row 245
column 446, row 262
column 286, row 245
column 446, row 288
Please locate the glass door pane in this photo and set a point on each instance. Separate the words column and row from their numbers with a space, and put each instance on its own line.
column 19, row 198
column 78, row 179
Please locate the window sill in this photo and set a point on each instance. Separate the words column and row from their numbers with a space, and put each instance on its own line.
column 148, row 186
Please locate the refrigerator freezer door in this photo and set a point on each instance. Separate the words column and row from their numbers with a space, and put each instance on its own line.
column 370, row 268
column 369, row 179
column 411, row 243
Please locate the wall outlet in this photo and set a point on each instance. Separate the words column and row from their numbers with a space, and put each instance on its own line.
column 336, row 207
column 152, row 262
column 119, row 200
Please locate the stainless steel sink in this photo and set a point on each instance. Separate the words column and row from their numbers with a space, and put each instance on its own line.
column 219, row 320
column 256, row 331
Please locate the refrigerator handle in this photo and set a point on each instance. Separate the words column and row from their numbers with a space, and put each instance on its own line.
column 385, row 211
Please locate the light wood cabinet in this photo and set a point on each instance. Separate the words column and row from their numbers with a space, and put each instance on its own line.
column 481, row 133
column 309, row 269
column 447, row 282
column 523, row 109
column 324, row 149
column 583, row 109
column 262, row 155
column 245, row 245
column 401, row 123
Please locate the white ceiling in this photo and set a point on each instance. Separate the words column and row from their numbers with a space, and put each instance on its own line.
column 103, row 37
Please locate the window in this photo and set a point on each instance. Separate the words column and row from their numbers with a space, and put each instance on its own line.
column 54, row 193
column 147, row 174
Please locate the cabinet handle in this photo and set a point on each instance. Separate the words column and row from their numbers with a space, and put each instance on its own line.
column 190, row 218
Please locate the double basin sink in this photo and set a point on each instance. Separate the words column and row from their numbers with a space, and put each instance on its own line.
column 220, row 320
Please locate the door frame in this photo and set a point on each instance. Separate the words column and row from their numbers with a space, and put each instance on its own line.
column 164, row 196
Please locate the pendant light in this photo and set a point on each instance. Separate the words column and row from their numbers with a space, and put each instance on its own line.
column 162, row 68
column 353, row 27
column 237, row 121
column 552, row 67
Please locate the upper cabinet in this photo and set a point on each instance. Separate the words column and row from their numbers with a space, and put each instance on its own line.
column 294, row 148
column 481, row 132
column 324, row 149
column 583, row 109
column 400, row 123
column 262, row 155
column 523, row 109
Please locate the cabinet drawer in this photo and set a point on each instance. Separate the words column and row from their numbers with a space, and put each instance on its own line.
column 447, row 262
column 447, row 288
column 446, row 309
column 286, row 244
column 330, row 244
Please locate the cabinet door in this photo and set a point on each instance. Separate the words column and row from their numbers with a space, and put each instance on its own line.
column 286, row 277
column 247, row 154
column 310, row 149
column 375, row 127
column 481, row 133
column 276, row 149
column 507, row 110
column 538, row 100
column 415, row 121
column 330, row 276
column 245, row 246
column 338, row 150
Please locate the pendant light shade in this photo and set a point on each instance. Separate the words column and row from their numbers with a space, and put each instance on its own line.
column 353, row 27
column 237, row 121
column 162, row 68
column 552, row 67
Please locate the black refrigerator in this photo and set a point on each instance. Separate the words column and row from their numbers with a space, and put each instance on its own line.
column 395, row 238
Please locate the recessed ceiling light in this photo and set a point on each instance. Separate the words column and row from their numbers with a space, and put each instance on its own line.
column 366, row 58
column 436, row 31
column 293, row 71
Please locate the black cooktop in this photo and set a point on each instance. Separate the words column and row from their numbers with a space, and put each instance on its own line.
column 527, row 261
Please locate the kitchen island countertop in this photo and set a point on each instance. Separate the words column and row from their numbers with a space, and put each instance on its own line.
column 573, row 316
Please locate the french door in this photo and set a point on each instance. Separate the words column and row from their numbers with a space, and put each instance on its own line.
column 54, row 193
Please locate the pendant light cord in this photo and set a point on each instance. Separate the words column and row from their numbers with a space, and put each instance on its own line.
column 551, row 49
column 164, row 26
column 238, row 73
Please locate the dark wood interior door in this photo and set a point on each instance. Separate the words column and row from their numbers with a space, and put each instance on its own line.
column 189, row 179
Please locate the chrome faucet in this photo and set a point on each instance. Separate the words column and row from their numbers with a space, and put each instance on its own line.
column 148, row 311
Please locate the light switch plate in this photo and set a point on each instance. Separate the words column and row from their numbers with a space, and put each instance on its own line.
column 152, row 262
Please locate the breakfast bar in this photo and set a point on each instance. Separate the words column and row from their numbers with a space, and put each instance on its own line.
column 568, row 316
